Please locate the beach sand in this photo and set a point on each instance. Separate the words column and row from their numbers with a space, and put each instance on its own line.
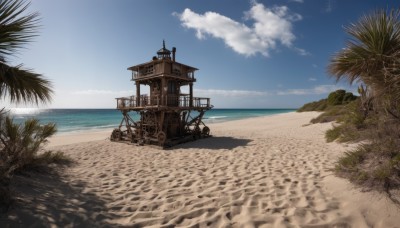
column 272, row 171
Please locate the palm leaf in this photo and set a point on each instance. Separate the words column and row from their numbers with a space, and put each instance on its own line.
column 372, row 54
column 16, row 27
column 22, row 85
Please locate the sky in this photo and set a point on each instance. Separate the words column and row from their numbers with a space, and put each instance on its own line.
column 250, row 54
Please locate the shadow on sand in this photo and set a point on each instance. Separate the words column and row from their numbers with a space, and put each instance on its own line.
column 43, row 199
column 215, row 143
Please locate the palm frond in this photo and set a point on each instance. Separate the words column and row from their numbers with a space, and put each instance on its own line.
column 22, row 85
column 372, row 53
column 16, row 27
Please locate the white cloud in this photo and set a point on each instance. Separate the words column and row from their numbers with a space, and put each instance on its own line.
column 314, row 65
column 299, row 1
column 101, row 92
column 321, row 89
column 230, row 93
column 312, row 79
column 271, row 25
column 201, row 92
column 302, row 52
column 330, row 6
column 317, row 90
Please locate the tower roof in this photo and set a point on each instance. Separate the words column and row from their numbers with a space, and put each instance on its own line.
column 163, row 51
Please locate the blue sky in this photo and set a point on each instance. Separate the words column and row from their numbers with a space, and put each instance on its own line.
column 250, row 54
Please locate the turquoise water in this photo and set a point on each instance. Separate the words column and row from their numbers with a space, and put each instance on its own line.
column 75, row 120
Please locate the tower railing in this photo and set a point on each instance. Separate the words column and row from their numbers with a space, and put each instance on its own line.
column 181, row 101
column 136, row 74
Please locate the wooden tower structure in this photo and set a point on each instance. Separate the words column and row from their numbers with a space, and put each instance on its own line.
column 166, row 116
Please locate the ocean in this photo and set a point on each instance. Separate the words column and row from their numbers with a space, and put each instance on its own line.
column 78, row 120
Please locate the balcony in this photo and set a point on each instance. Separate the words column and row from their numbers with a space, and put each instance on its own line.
column 149, row 73
column 162, row 68
column 145, row 101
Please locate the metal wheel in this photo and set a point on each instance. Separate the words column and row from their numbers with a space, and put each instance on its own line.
column 116, row 135
column 161, row 137
column 196, row 133
column 133, row 138
column 206, row 131
column 149, row 124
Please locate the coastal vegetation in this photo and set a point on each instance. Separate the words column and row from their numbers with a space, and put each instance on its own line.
column 370, row 58
column 335, row 99
column 20, row 143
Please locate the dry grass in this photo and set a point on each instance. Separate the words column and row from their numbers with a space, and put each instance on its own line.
column 375, row 164
column 20, row 145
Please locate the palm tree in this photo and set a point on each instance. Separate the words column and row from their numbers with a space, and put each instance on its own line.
column 17, row 29
column 372, row 57
column 19, row 144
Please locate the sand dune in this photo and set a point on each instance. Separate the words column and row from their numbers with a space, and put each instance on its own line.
column 261, row 172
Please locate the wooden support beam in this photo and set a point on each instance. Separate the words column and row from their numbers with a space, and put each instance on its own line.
column 137, row 94
column 164, row 90
column 190, row 94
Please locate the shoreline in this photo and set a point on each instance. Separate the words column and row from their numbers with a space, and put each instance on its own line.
column 271, row 171
column 65, row 138
column 71, row 121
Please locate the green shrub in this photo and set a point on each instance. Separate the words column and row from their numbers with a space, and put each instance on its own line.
column 21, row 142
column 333, row 134
column 396, row 159
column 49, row 157
column 349, row 97
column 19, row 145
column 320, row 105
column 353, row 117
column 333, row 113
column 337, row 97
column 377, row 162
column 349, row 133
column 351, row 159
column 361, row 177
column 372, row 59
column 383, row 172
